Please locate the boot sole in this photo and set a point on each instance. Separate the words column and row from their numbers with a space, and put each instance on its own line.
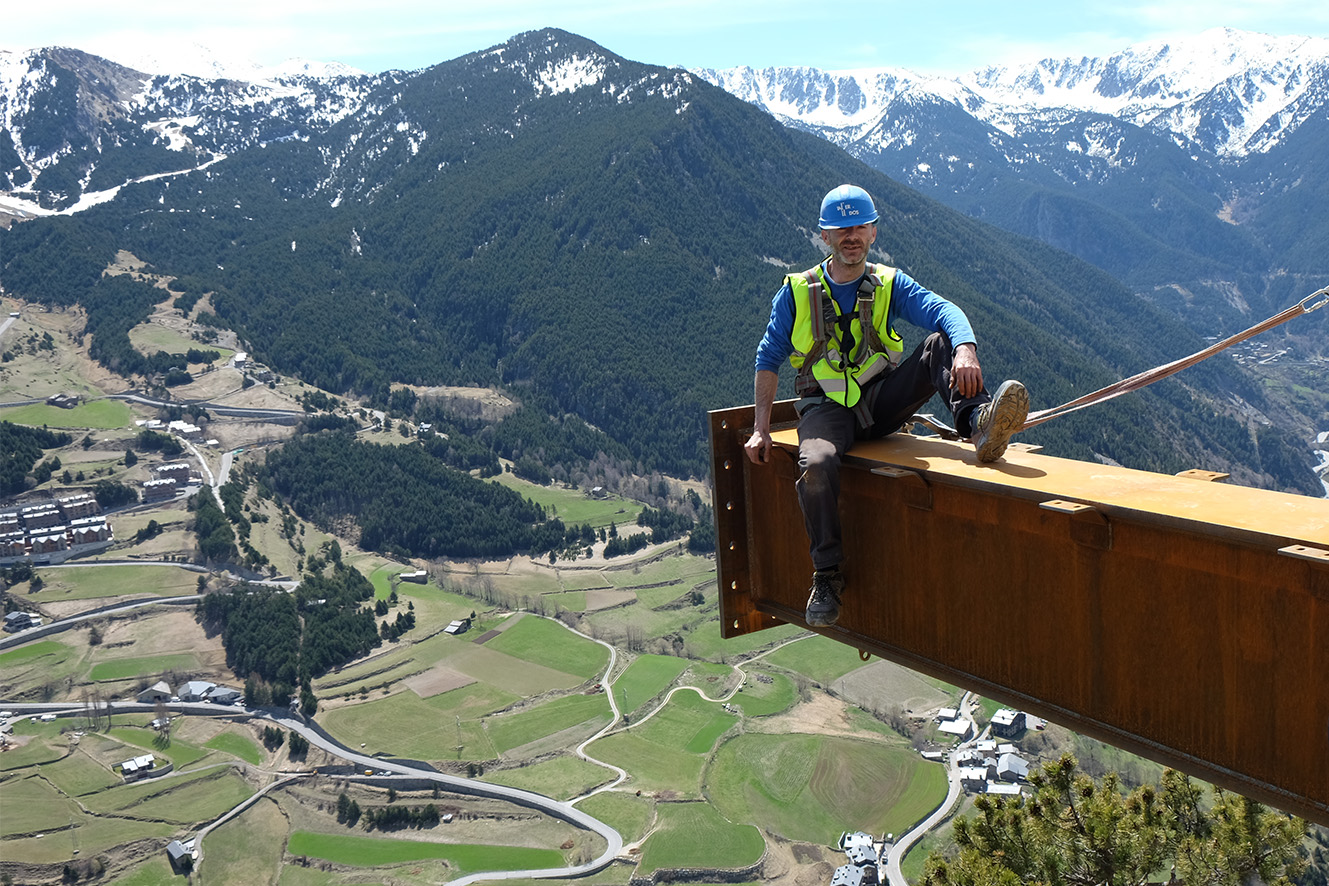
column 821, row 620
column 1010, row 407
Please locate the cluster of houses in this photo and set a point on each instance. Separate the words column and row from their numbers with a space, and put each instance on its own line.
column 194, row 690
column 987, row 766
column 167, row 480
column 181, row 428
column 51, row 531
column 992, row 768
column 865, row 859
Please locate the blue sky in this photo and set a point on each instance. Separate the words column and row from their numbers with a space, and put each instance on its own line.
column 374, row 35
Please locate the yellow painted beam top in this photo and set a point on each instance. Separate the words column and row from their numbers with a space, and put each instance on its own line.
column 1160, row 496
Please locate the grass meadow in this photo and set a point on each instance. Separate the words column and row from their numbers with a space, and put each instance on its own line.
column 573, row 506
column 180, row 753
column 91, row 582
column 703, row 641
column 667, row 752
column 376, row 851
column 622, row 810
column 90, row 836
column 155, row 871
column 817, row 657
column 561, row 778
column 43, row 659
column 102, row 415
column 403, row 724
column 148, row 338
column 647, row 677
column 547, row 643
column 246, row 848
column 78, row 775
column 813, row 787
column 514, row 730
column 692, row 835
column 130, row 668
column 182, row 799
column 236, row 745
column 760, row 698
column 44, row 807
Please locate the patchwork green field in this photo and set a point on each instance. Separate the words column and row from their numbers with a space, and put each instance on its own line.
column 44, row 653
column 513, row 730
column 763, row 697
column 574, row 506
column 78, row 775
column 667, row 751
column 96, row 415
column 521, row 697
column 622, row 810
column 405, row 725
column 561, row 778
column 692, row 835
column 376, row 851
column 819, row 658
column 44, row 808
column 130, row 668
column 180, row 753
column 181, row 799
column 647, row 677
column 236, row 745
column 91, row 582
column 542, row 641
column 813, row 787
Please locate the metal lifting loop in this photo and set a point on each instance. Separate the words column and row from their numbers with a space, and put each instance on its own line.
column 1322, row 295
column 864, row 655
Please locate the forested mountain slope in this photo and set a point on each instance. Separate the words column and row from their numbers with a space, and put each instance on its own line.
column 604, row 238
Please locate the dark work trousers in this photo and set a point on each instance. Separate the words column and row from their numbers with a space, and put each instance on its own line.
column 826, row 430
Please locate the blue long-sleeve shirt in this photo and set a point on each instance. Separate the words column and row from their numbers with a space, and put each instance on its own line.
column 909, row 301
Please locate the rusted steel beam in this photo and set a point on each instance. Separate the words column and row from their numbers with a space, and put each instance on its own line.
column 1184, row 620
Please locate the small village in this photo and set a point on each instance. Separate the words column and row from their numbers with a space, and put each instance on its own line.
column 978, row 764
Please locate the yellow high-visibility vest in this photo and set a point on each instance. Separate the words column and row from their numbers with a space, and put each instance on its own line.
column 827, row 361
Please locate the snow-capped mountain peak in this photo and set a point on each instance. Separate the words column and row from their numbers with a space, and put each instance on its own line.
column 167, row 59
column 1228, row 92
column 1173, row 85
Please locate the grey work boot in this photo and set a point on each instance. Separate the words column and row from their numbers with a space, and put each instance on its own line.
column 824, row 599
column 997, row 420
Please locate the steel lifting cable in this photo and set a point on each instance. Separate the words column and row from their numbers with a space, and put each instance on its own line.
column 1148, row 377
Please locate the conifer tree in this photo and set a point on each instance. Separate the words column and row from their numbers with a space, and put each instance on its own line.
column 1074, row 830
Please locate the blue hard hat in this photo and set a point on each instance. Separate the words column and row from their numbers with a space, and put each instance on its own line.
column 846, row 207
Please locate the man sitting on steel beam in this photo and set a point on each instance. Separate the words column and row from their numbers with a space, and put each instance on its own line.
column 834, row 322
